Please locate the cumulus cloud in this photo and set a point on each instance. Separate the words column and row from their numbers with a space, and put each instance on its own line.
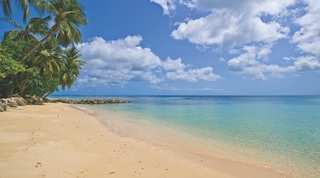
column 168, row 6
column 248, row 63
column 308, row 37
column 187, row 89
column 306, row 63
column 119, row 61
column 171, row 64
column 248, row 29
column 193, row 75
column 179, row 71
column 251, row 63
column 116, row 62
column 233, row 23
column 240, row 6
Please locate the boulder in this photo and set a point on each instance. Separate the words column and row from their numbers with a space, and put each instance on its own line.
column 90, row 101
column 3, row 106
column 20, row 101
column 37, row 100
column 11, row 102
column 34, row 100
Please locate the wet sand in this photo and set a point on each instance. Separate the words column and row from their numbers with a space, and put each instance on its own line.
column 56, row 140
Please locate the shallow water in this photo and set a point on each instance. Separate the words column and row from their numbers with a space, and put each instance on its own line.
column 278, row 133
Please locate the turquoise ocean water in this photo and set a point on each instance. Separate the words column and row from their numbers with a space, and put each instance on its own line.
column 281, row 133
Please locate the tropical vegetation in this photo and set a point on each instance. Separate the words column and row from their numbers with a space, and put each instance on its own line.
column 40, row 58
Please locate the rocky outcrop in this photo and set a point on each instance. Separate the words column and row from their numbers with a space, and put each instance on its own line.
column 89, row 101
column 3, row 106
column 19, row 101
column 14, row 102
column 34, row 100
column 11, row 102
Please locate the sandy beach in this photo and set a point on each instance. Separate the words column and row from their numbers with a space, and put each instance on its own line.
column 56, row 140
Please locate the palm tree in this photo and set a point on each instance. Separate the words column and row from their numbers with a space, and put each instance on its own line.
column 23, row 5
column 49, row 59
column 6, row 7
column 72, row 67
column 36, row 26
column 68, row 15
column 11, row 21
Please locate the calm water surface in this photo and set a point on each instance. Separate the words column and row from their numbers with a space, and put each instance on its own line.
column 281, row 133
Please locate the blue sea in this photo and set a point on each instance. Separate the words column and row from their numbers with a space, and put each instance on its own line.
column 279, row 133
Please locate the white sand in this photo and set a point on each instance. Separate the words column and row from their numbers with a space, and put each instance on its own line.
column 56, row 140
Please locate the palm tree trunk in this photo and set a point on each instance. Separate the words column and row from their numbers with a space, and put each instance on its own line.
column 45, row 96
column 38, row 44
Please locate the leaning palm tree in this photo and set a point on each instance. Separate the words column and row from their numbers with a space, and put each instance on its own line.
column 11, row 21
column 68, row 15
column 49, row 59
column 72, row 67
column 23, row 5
column 36, row 26
column 6, row 7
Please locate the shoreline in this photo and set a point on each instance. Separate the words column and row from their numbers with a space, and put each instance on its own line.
column 60, row 140
column 159, row 135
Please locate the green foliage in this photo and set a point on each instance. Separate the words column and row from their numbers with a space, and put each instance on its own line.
column 67, row 15
column 23, row 5
column 36, row 26
column 43, row 65
column 32, row 83
column 48, row 60
column 72, row 67
column 7, row 86
column 8, row 66
column 11, row 21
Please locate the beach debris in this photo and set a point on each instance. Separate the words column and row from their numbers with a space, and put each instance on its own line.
column 37, row 165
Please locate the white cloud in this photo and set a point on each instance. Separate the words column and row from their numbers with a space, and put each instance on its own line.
column 249, row 28
column 193, row 75
column 308, row 37
column 307, row 63
column 187, row 89
column 255, row 6
column 168, row 6
column 233, row 23
column 116, row 62
column 179, row 71
column 221, row 59
column 171, row 64
column 119, row 61
column 251, row 63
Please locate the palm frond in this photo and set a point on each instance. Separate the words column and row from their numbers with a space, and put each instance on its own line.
column 11, row 21
column 6, row 7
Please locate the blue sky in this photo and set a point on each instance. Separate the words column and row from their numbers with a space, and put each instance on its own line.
column 205, row 47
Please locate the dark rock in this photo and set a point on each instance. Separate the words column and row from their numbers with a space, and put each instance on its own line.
column 34, row 100
column 29, row 101
column 90, row 101
column 11, row 102
column 3, row 107
column 20, row 101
